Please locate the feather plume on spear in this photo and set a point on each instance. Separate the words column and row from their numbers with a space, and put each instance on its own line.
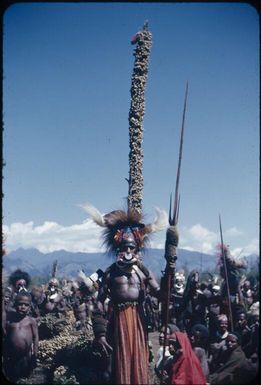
column 54, row 270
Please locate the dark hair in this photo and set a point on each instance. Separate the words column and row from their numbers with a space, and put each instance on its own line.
column 241, row 311
column 201, row 329
column 23, row 294
column 173, row 328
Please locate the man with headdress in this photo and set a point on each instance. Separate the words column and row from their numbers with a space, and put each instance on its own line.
column 229, row 270
column 177, row 299
column 194, row 302
column 54, row 301
column 19, row 281
column 123, row 339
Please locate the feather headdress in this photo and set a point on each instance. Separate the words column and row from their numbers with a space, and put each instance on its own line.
column 118, row 222
column 17, row 275
column 230, row 260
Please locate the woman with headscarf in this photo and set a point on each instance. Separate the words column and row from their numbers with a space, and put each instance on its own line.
column 185, row 368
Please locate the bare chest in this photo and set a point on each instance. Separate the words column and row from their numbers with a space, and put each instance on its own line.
column 126, row 286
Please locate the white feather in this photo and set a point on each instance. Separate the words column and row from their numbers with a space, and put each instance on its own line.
column 83, row 277
column 94, row 213
column 161, row 220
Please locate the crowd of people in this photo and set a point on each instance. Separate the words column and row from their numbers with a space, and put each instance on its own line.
column 205, row 338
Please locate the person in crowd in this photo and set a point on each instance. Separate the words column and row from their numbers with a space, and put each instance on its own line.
column 177, row 299
column 251, row 349
column 214, row 309
column 199, row 338
column 219, row 345
column 38, row 297
column 231, row 277
column 159, row 357
column 241, row 327
column 236, row 369
column 247, row 293
column 54, row 301
column 81, row 308
column 184, row 368
column 151, row 307
column 194, row 302
column 21, row 342
column 7, row 298
column 7, row 306
column 19, row 281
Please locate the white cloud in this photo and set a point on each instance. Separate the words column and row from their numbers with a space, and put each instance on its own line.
column 251, row 248
column 198, row 238
column 51, row 236
column 86, row 237
column 233, row 232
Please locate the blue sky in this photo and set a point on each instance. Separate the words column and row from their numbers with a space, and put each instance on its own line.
column 66, row 99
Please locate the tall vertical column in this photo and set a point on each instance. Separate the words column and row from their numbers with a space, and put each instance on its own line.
column 143, row 41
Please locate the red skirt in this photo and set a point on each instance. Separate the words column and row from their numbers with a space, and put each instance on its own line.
column 130, row 346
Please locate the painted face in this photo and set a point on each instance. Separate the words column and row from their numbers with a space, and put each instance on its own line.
column 20, row 285
column 22, row 305
column 53, row 285
column 127, row 253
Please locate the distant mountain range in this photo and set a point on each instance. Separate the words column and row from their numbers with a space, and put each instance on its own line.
column 39, row 264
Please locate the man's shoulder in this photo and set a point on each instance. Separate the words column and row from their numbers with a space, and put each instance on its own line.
column 111, row 268
column 147, row 272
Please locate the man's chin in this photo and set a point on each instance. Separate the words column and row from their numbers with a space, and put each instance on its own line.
column 128, row 262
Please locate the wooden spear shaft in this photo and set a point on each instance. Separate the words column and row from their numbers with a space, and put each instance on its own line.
column 226, row 276
column 173, row 222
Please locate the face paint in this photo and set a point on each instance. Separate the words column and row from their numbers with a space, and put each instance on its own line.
column 21, row 285
column 22, row 288
column 127, row 254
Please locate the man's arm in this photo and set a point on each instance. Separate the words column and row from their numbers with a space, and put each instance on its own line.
column 99, row 321
column 35, row 333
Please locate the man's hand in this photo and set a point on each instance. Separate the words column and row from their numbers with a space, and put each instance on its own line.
column 33, row 361
column 171, row 260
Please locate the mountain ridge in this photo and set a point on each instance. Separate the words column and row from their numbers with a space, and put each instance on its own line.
column 37, row 263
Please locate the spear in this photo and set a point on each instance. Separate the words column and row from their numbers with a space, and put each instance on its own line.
column 174, row 219
column 172, row 234
column 226, row 276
